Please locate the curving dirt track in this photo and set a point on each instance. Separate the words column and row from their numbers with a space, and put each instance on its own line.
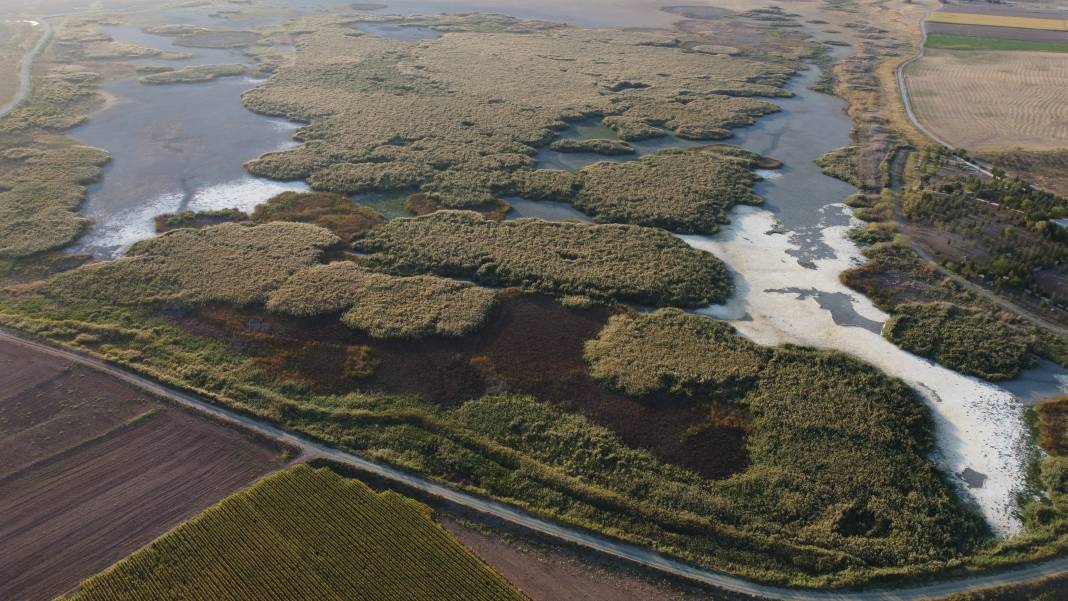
column 989, row 100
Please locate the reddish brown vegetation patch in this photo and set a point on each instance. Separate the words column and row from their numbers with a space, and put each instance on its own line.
column 529, row 345
column 335, row 212
column 1053, row 425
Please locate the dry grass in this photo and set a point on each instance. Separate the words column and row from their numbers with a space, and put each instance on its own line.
column 487, row 95
column 621, row 262
column 684, row 191
column 671, row 350
column 385, row 306
column 225, row 263
column 16, row 38
column 39, row 197
column 990, row 100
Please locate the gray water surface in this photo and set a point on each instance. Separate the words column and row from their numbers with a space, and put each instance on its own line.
column 174, row 147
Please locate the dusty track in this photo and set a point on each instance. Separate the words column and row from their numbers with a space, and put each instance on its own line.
column 26, row 67
column 592, row 542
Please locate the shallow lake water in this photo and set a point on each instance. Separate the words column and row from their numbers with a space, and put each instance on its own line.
column 174, row 148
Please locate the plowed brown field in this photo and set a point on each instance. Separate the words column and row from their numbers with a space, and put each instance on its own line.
column 91, row 470
column 993, row 100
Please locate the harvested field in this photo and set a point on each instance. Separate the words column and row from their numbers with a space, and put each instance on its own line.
column 304, row 534
column 1002, row 20
column 990, row 100
column 92, row 470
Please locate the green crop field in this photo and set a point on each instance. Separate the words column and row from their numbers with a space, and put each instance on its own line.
column 949, row 41
column 303, row 534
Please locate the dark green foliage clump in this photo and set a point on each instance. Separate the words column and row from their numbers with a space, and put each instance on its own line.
column 621, row 262
column 173, row 221
column 963, row 339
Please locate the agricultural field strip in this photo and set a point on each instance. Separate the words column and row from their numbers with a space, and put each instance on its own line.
column 999, row 21
column 619, row 550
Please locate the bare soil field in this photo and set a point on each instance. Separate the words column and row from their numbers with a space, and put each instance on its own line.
column 990, row 100
column 91, row 470
column 553, row 575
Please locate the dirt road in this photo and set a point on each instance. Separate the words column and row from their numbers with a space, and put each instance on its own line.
column 26, row 68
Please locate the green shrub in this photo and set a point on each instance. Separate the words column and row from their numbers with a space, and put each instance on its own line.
column 967, row 340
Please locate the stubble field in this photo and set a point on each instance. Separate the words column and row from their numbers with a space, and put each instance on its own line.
column 990, row 100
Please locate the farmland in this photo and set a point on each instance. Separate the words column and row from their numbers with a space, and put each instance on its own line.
column 990, row 100
column 304, row 534
column 93, row 469
column 948, row 41
column 999, row 20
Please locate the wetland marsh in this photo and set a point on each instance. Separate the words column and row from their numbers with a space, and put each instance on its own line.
column 483, row 351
